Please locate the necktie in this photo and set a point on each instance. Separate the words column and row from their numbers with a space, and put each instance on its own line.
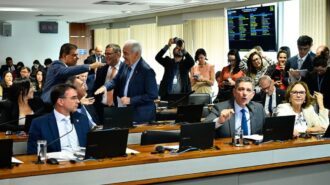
column 300, row 62
column 110, row 93
column 71, row 137
column 244, row 123
column 270, row 107
column 128, row 72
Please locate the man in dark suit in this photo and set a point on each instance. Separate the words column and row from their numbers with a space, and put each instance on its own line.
column 105, row 74
column 135, row 84
column 64, row 128
column 269, row 96
column 86, row 103
column 60, row 70
column 319, row 79
column 176, row 75
column 304, row 60
column 239, row 113
column 96, row 57
column 9, row 66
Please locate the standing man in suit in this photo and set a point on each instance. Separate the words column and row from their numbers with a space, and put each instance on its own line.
column 104, row 75
column 239, row 113
column 176, row 75
column 86, row 103
column 269, row 96
column 95, row 57
column 60, row 70
column 135, row 84
column 304, row 60
column 319, row 79
column 62, row 122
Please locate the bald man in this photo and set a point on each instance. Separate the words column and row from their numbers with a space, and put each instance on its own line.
column 96, row 57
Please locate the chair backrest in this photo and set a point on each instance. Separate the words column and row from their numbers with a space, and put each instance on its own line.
column 199, row 99
column 156, row 137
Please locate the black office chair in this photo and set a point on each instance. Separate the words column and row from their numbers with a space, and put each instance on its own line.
column 199, row 99
column 150, row 137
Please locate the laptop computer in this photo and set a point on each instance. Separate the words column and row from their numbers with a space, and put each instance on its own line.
column 28, row 121
column 327, row 133
column 6, row 153
column 278, row 128
column 106, row 143
column 118, row 117
column 196, row 136
column 189, row 113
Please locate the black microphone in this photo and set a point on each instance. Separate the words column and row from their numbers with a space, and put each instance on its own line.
column 52, row 142
column 175, row 103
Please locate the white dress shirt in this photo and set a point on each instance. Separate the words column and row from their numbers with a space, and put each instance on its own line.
column 238, row 118
column 70, row 141
column 267, row 102
column 104, row 97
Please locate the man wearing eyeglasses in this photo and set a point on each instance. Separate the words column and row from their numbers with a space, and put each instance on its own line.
column 104, row 75
column 64, row 128
column 60, row 70
column 239, row 113
column 269, row 96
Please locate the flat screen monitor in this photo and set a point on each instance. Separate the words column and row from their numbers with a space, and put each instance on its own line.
column 249, row 27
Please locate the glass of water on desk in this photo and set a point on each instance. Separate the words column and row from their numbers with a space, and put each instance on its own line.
column 42, row 149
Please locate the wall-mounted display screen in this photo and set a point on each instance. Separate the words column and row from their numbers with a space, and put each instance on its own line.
column 249, row 27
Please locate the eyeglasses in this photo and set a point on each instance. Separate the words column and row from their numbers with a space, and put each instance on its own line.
column 296, row 93
column 71, row 98
column 109, row 54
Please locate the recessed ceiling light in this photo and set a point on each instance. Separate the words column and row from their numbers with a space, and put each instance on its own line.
column 16, row 9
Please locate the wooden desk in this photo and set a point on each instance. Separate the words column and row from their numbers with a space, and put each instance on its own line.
column 20, row 142
column 151, row 168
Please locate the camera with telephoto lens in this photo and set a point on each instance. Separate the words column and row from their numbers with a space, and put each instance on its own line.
column 179, row 42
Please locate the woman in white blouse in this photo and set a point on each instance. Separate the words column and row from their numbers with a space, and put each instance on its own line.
column 300, row 104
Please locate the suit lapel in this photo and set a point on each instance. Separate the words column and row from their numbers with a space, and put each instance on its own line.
column 77, row 125
column 232, row 119
column 54, row 131
column 252, row 118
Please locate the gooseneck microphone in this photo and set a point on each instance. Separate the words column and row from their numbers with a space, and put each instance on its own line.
column 52, row 142
column 9, row 132
column 175, row 103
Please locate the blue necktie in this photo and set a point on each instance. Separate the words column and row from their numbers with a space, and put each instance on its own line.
column 129, row 69
column 244, row 123
column 270, row 107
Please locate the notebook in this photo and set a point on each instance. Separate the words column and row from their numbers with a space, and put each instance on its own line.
column 6, row 152
column 196, row 136
column 189, row 113
column 118, row 117
column 278, row 128
column 106, row 143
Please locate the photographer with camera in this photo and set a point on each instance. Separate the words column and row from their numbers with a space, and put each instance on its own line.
column 176, row 76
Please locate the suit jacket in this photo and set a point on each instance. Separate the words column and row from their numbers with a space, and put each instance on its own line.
column 169, row 73
column 313, row 83
column 293, row 63
column 257, row 118
column 58, row 73
column 45, row 128
column 142, row 90
column 261, row 97
column 99, row 82
column 312, row 118
column 9, row 112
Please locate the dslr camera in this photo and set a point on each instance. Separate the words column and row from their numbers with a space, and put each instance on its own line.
column 179, row 42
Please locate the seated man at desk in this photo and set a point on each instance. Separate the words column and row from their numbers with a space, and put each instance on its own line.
column 239, row 113
column 64, row 128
